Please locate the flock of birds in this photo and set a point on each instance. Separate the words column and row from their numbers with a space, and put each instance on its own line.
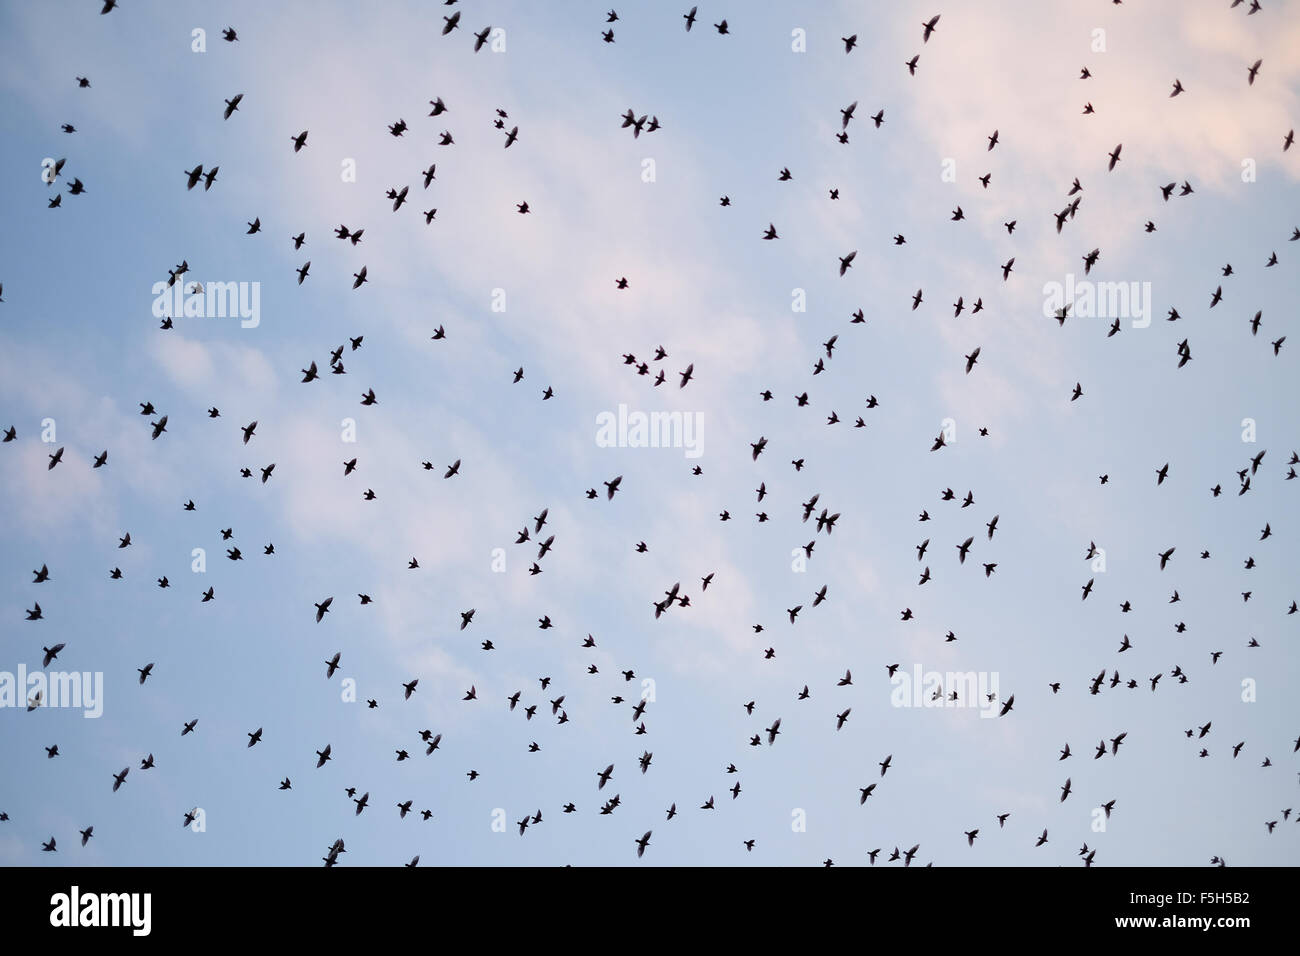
column 1261, row 467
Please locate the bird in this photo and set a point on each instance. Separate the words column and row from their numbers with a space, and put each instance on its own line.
column 773, row 731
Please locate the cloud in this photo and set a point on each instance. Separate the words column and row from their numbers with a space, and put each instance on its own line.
column 198, row 368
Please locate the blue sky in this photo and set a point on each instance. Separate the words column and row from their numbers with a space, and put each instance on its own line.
column 79, row 345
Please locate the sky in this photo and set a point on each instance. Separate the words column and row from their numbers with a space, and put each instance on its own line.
column 81, row 349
